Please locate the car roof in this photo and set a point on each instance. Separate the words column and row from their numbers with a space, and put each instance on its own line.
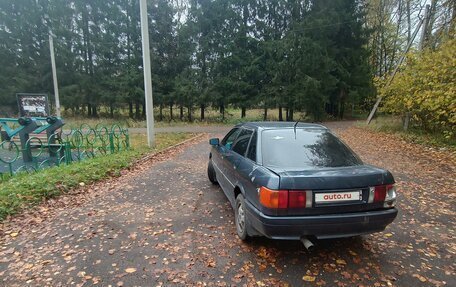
column 281, row 125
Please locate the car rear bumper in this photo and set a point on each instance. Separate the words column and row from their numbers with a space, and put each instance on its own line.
column 320, row 226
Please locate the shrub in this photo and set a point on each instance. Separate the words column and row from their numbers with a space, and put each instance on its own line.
column 426, row 88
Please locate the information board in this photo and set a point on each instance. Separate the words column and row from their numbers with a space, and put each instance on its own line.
column 33, row 105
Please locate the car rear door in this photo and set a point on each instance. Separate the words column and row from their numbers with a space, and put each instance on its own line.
column 247, row 170
column 235, row 158
column 219, row 159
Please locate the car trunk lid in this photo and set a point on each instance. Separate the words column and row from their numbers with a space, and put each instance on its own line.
column 359, row 176
column 335, row 189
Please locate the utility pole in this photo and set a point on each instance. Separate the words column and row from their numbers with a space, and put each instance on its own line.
column 54, row 75
column 147, row 73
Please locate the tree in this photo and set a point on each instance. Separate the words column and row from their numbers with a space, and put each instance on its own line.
column 422, row 88
column 314, row 56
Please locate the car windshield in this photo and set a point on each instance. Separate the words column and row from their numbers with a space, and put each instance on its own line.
column 307, row 149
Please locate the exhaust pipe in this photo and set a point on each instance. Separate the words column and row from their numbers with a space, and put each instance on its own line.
column 307, row 244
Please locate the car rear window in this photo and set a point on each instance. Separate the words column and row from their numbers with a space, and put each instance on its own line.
column 308, row 148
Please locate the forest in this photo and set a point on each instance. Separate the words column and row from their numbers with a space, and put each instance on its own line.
column 320, row 57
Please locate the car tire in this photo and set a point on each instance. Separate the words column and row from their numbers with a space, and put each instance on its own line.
column 240, row 218
column 211, row 173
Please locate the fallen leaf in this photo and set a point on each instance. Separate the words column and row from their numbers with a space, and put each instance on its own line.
column 341, row 262
column 130, row 270
column 420, row 277
column 308, row 278
column 28, row 265
column 47, row 262
column 9, row 251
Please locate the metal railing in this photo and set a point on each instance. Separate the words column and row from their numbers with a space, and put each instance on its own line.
column 60, row 148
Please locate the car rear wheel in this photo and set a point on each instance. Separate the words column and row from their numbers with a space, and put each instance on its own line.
column 241, row 218
column 211, row 173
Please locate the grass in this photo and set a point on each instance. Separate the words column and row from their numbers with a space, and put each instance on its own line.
column 393, row 125
column 212, row 117
column 25, row 190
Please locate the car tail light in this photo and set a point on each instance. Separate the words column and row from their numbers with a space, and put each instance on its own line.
column 386, row 194
column 296, row 199
column 380, row 193
column 273, row 198
column 282, row 198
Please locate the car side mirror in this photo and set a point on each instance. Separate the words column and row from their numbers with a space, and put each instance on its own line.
column 214, row 141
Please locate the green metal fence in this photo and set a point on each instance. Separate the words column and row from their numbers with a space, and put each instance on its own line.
column 61, row 148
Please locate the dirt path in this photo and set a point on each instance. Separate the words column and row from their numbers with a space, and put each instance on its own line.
column 165, row 224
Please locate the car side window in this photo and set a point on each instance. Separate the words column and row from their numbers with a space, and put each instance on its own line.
column 251, row 153
column 242, row 142
column 230, row 137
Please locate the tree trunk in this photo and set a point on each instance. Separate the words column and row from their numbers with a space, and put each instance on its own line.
column 242, row 112
column 189, row 114
column 171, row 112
column 409, row 21
column 287, row 117
column 181, row 113
column 398, row 30
column 130, row 109
column 341, row 104
column 143, row 112
column 453, row 20
column 111, row 110
column 406, row 121
column 94, row 111
column 222, row 111
column 202, row 107
column 137, row 112
column 432, row 17
column 89, row 110
column 265, row 114
column 290, row 114
column 280, row 114
column 161, row 112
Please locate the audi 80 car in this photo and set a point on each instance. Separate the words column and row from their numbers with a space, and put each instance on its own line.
column 289, row 180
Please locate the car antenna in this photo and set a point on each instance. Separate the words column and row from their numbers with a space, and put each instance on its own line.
column 294, row 127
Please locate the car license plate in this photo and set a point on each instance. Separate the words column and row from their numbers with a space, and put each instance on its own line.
column 334, row 197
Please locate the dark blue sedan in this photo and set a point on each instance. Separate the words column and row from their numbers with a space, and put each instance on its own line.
column 295, row 181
